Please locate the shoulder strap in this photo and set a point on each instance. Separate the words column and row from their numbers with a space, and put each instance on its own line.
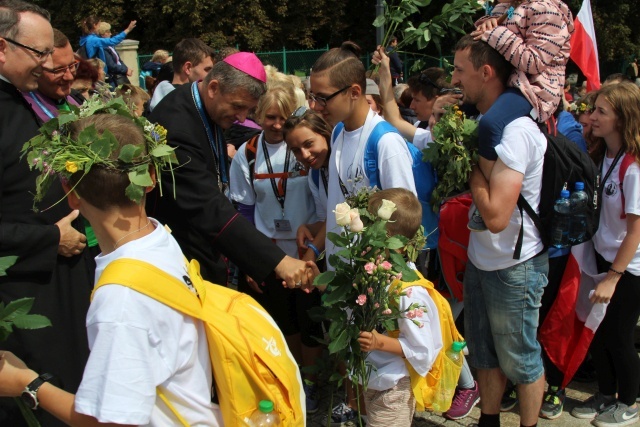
column 371, row 152
column 250, row 150
column 172, row 408
column 336, row 132
column 627, row 160
column 151, row 281
column 315, row 176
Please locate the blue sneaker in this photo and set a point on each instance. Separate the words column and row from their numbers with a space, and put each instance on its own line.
column 311, row 393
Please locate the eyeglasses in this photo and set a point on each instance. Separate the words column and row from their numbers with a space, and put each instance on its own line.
column 322, row 101
column 40, row 54
column 60, row 71
column 300, row 111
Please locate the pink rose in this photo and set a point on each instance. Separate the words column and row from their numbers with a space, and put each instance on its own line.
column 399, row 276
column 408, row 292
column 361, row 299
column 387, row 311
column 411, row 314
column 386, row 265
column 369, row 267
column 419, row 312
column 376, row 305
column 370, row 291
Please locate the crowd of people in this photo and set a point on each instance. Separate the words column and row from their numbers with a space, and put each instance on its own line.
column 263, row 159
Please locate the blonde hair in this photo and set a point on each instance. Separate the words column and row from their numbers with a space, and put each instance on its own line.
column 624, row 98
column 407, row 218
column 279, row 96
column 160, row 55
column 103, row 28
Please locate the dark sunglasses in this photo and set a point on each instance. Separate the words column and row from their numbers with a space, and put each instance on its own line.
column 40, row 54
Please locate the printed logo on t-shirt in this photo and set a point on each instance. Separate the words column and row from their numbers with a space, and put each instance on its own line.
column 611, row 189
column 272, row 346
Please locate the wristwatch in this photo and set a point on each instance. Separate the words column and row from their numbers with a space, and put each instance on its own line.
column 30, row 393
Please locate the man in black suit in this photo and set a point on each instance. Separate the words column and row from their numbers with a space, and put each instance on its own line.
column 53, row 265
column 202, row 219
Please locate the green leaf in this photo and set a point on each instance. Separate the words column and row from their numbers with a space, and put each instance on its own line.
column 140, row 176
column 134, row 192
column 338, row 240
column 129, row 152
column 337, row 294
column 162, row 150
column 340, row 342
column 379, row 21
column 394, row 243
column 324, row 278
column 31, row 321
column 16, row 308
column 5, row 263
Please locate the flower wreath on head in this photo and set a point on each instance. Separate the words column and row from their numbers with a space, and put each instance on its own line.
column 54, row 153
column 580, row 107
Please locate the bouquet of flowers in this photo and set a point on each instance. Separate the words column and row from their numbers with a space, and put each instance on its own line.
column 453, row 152
column 362, row 293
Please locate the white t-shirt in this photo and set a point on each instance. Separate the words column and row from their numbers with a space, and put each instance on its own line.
column 138, row 344
column 612, row 229
column 299, row 207
column 522, row 149
column 420, row 345
column 422, row 138
column 394, row 167
column 163, row 89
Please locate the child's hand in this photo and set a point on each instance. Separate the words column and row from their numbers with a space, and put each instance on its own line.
column 487, row 25
column 368, row 340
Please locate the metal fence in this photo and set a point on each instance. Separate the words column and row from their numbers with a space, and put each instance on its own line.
column 299, row 62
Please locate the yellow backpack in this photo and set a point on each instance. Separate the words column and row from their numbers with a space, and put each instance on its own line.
column 249, row 356
column 433, row 391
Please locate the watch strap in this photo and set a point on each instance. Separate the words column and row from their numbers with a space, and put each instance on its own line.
column 37, row 383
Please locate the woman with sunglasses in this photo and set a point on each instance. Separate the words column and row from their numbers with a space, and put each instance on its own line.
column 271, row 190
column 307, row 135
column 615, row 123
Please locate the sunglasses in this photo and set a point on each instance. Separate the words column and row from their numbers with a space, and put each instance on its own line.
column 424, row 79
column 322, row 101
column 300, row 111
column 57, row 72
column 42, row 55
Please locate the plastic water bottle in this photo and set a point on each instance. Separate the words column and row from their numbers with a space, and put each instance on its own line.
column 264, row 415
column 449, row 377
column 561, row 221
column 579, row 204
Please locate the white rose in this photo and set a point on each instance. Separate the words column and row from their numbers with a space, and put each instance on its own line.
column 356, row 224
column 386, row 209
column 343, row 214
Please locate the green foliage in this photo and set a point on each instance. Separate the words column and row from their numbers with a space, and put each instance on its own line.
column 16, row 314
column 5, row 263
column 452, row 154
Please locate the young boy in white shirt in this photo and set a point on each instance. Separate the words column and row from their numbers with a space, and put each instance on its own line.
column 389, row 399
column 138, row 345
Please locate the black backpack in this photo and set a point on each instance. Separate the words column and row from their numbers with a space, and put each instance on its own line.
column 564, row 165
column 82, row 52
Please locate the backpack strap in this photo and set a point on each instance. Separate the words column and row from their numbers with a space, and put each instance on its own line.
column 172, row 408
column 336, row 132
column 250, row 150
column 149, row 280
column 627, row 160
column 371, row 151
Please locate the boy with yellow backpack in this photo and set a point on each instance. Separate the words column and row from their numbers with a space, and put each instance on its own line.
column 411, row 368
column 160, row 336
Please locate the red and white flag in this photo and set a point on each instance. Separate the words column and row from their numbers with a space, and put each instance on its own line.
column 569, row 327
column 584, row 49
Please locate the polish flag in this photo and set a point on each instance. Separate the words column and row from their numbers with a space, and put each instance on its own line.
column 584, row 49
column 572, row 321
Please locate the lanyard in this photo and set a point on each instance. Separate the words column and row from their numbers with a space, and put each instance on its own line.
column 280, row 195
column 613, row 165
column 325, row 181
column 41, row 105
column 366, row 129
column 215, row 142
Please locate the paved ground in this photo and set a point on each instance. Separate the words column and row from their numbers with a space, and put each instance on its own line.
column 576, row 393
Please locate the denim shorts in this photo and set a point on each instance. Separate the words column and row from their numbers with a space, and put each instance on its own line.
column 501, row 318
